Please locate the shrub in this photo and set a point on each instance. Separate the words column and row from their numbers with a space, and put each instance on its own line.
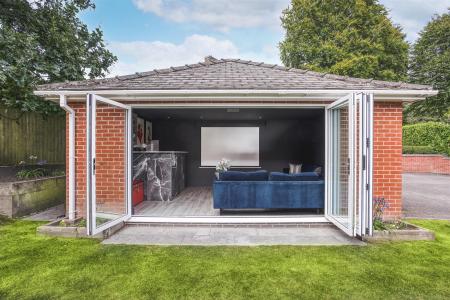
column 33, row 173
column 418, row 150
column 433, row 134
column 58, row 173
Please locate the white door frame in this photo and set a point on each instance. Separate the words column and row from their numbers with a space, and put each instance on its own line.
column 91, row 103
column 360, row 223
column 365, row 210
column 348, row 101
column 365, row 188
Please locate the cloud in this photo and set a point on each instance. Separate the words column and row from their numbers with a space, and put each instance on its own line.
column 413, row 15
column 139, row 56
column 221, row 14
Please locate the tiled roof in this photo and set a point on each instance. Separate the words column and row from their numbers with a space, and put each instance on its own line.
column 231, row 74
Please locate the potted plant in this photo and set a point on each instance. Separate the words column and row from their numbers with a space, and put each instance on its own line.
column 222, row 166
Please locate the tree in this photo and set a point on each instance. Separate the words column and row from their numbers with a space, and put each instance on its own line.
column 430, row 64
column 43, row 41
column 345, row 37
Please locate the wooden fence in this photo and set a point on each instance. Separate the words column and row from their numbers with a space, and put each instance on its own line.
column 31, row 135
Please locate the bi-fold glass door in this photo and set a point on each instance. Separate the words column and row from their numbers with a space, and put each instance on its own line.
column 349, row 163
column 108, row 163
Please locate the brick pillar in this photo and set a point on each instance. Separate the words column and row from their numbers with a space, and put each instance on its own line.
column 387, row 152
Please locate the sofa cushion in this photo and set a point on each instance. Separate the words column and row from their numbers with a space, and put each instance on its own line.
column 312, row 168
column 305, row 176
column 295, row 168
column 261, row 175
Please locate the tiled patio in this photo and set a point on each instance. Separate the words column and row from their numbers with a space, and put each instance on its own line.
column 230, row 235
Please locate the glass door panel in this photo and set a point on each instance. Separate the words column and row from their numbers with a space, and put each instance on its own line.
column 109, row 163
column 340, row 206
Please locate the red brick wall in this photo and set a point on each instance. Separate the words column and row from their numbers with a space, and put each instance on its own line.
column 387, row 151
column 110, row 159
column 426, row 163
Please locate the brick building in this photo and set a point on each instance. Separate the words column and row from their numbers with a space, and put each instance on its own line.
column 347, row 131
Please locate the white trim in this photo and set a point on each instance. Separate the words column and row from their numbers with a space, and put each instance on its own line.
column 361, row 173
column 72, row 194
column 327, row 161
column 88, row 165
column 93, row 187
column 107, row 225
column 228, row 220
column 111, row 102
column 352, row 175
column 236, row 92
column 228, row 105
column 402, row 95
column 129, row 164
column 370, row 164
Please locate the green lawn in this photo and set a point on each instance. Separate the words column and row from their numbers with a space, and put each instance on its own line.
column 34, row 267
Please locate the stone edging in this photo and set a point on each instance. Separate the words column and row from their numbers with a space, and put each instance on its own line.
column 415, row 234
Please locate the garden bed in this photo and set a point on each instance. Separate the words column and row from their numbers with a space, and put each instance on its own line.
column 401, row 231
column 74, row 229
column 9, row 173
column 20, row 198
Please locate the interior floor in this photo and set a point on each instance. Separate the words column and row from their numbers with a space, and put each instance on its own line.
column 198, row 202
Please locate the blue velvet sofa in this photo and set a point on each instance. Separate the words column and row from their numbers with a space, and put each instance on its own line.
column 261, row 190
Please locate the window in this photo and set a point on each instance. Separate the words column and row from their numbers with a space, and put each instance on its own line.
column 240, row 145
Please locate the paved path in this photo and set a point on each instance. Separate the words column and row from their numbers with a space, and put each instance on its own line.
column 426, row 196
column 232, row 236
column 50, row 214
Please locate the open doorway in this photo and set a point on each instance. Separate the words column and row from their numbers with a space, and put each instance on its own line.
column 277, row 158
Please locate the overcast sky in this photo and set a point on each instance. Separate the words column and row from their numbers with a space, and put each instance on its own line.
column 149, row 34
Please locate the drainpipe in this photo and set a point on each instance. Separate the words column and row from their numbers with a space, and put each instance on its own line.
column 71, row 112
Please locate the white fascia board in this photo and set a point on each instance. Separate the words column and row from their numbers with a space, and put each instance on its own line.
column 319, row 95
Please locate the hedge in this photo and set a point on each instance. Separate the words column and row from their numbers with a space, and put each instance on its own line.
column 432, row 134
column 418, row 150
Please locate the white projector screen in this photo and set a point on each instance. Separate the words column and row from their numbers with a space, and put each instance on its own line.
column 240, row 145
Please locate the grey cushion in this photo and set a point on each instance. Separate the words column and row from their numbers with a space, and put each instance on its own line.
column 295, row 168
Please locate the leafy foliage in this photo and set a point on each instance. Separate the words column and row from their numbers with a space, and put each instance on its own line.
column 43, row 41
column 418, row 150
column 380, row 204
column 33, row 173
column 433, row 134
column 346, row 37
column 430, row 64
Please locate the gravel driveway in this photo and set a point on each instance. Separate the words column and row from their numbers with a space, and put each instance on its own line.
column 426, row 196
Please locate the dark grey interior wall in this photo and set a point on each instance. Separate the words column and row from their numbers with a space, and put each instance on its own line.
column 281, row 142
